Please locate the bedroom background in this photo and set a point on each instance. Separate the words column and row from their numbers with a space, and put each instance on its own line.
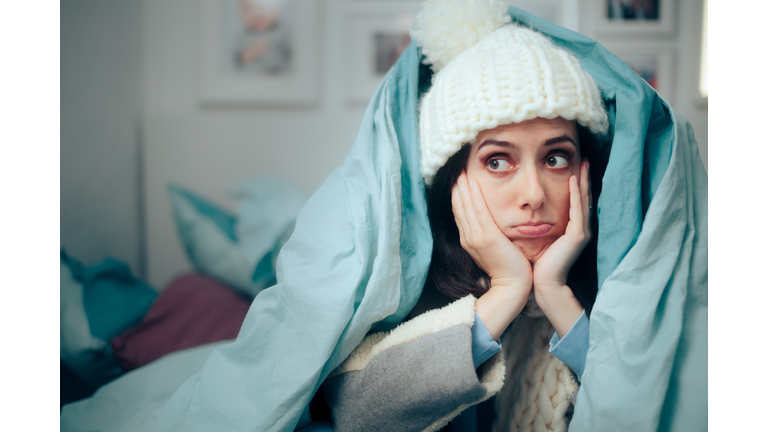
column 136, row 115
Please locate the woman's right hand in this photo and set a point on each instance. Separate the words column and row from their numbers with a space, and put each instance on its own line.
column 510, row 271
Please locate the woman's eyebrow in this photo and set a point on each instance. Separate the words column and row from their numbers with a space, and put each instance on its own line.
column 551, row 141
column 557, row 140
column 496, row 142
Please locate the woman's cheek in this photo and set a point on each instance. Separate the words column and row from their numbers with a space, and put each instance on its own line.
column 562, row 202
column 497, row 205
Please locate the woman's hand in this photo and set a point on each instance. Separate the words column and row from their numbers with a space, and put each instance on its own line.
column 510, row 272
column 481, row 237
column 550, row 272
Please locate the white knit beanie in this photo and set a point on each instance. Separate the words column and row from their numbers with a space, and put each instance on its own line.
column 489, row 72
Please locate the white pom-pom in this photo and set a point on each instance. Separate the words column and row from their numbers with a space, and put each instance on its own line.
column 445, row 28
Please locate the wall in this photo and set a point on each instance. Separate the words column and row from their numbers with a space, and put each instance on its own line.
column 100, row 103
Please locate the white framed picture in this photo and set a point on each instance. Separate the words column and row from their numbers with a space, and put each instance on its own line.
column 377, row 33
column 653, row 62
column 375, row 39
column 258, row 52
column 635, row 17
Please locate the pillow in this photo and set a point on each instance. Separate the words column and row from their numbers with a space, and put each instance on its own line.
column 239, row 251
column 266, row 217
column 96, row 304
column 208, row 236
column 269, row 206
column 193, row 310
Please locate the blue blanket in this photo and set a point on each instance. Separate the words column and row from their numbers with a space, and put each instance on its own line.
column 358, row 259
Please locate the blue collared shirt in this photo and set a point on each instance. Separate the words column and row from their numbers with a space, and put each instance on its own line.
column 571, row 349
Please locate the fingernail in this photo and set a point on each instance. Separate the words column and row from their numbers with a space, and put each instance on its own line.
column 472, row 184
column 587, row 165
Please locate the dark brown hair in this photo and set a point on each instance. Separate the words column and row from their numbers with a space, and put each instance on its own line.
column 453, row 271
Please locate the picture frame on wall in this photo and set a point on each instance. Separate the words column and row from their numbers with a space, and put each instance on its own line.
column 635, row 17
column 258, row 52
column 654, row 63
column 376, row 36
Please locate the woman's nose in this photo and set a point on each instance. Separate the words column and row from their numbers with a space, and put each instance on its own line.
column 530, row 190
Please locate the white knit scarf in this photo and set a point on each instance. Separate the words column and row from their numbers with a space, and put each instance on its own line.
column 540, row 390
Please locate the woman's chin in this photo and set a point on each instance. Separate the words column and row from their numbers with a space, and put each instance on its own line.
column 533, row 249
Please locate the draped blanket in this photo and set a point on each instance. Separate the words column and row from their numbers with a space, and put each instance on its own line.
column 359, row 255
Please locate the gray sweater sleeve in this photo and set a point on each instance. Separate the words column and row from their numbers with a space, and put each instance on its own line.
column 416, row 377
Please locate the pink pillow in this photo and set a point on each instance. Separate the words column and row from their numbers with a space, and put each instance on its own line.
column 193, row 310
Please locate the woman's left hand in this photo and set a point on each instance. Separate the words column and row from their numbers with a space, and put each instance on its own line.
column 550, row 271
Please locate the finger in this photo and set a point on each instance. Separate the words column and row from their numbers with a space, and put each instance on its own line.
column 584, row 189
column 469, row 210
column 458, row 211
column 576, row 212
column 482, row 213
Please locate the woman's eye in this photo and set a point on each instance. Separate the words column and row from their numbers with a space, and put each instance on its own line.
column 498, row 164
column 556, row 161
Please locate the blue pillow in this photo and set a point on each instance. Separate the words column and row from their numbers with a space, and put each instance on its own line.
column 241, row 250
column 97, row 303
column 267, row 210
column 222, row 219
column 208, row 236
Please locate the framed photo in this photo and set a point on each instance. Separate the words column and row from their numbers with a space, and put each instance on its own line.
column 375, row 39
column 654, row 63
column 635, row 17
column 258, row 52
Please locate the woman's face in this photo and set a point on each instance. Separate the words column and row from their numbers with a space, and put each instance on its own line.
column 523, row 171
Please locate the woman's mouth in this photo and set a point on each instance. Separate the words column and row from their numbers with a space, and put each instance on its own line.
column 533, row 230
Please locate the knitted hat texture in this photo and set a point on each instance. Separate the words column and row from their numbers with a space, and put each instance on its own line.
column 511, row 75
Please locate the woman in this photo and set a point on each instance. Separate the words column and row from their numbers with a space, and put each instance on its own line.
column 519, row 244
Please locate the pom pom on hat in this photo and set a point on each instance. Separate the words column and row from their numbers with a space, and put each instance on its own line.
column 486, row 77
column 446, row 28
